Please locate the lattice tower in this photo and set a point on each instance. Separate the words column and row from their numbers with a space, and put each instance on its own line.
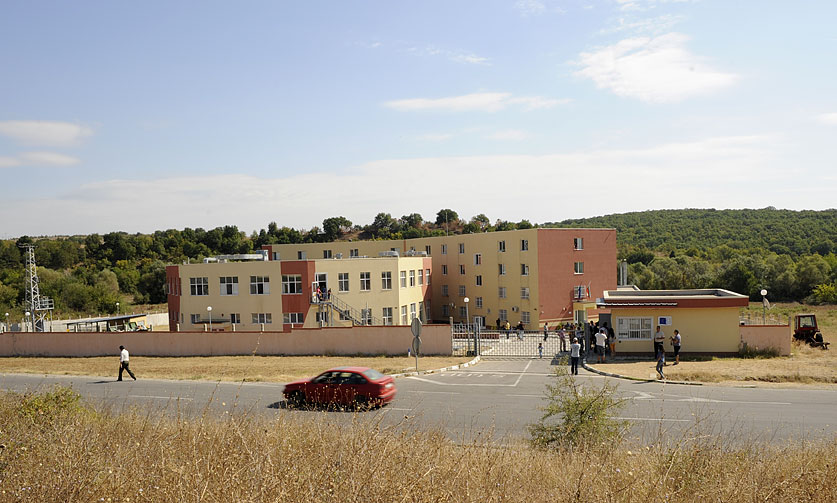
column 39, row 307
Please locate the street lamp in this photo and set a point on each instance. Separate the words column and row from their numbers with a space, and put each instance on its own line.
column 8, row 327
column 117, row 308
column 763, row 306
column 468, row 324
column 209, row 310
column 26, row 320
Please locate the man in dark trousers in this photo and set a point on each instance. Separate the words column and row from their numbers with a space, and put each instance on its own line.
column 123, row 363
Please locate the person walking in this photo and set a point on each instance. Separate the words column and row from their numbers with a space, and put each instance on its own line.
column 562, row 336
column 545, row 331
column 661, row 362
column 540, row 350
column 675, row 342
column 601, row 344
column 575, row 353
column 123, row 363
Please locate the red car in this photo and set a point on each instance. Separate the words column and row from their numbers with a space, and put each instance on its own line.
column 358, row 386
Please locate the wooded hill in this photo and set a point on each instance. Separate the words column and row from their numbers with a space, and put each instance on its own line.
column 790, row 253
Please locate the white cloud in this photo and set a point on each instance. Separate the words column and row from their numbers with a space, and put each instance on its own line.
column 657, row 70
column 508, row 135
column 8, row 162
column 47, row 159
column 530, row 7
column 654, row 25
column 829, row 118
column 457, row 56
column 45, row 133
column 712, row 172
column 484, row 102
column 643, row 5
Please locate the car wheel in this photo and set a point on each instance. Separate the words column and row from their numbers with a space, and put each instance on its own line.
column 296, row 399
column 361, row 402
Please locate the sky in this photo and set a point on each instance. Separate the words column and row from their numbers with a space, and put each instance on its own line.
column 144, row 116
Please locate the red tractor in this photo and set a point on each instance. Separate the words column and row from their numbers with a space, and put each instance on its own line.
column 805, row 329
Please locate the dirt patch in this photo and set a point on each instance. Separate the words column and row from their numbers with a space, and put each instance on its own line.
column 220, row 368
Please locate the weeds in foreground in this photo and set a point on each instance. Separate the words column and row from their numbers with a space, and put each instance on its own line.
column 149, row 457
column 577, row 417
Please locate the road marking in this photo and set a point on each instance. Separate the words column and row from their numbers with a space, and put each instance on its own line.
column 654, row 419
column 158, row 397
column 436, row 392
column 642, row 395
column 535, row 396
column 438, row 383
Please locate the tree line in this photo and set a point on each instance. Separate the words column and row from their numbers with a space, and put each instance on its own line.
column 790, row 253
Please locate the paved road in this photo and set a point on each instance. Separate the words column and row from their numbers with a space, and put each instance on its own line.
column 496, row 398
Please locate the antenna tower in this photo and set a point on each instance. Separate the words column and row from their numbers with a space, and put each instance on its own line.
column 39, row 307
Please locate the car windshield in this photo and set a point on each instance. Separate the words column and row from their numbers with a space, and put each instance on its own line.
column 372, row 374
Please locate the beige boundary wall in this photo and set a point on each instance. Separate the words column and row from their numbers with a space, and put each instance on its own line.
column 378, row 340
column 777, row 337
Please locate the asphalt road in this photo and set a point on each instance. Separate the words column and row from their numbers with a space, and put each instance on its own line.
column 497, row 398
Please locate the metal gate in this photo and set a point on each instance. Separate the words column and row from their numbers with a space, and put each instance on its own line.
column 505, row 344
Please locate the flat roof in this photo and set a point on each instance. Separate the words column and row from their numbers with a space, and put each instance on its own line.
column 107, row 318
column 705, row 297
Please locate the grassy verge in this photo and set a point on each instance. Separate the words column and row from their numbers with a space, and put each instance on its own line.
column 55, row 450
column 224, row 368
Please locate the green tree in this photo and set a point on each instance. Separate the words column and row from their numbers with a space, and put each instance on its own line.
column 446, row 217
column 335, row 227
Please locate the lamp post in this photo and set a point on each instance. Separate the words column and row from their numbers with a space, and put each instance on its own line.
column 763, row 306
column 26, row 321
column 117, row 308
column 8, row 327
column 209, row 310
column 468, row 324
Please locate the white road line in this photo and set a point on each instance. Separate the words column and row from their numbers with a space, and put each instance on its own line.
column 521, row 375
column 535, row 396
column 158, row 397
column 436, row 392
column 663, row 419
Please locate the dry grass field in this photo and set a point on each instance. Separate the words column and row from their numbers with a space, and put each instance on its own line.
column 53, row 449
column 220, row 368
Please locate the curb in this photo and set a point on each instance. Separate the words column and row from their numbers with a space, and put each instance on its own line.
column 436, row 371
column 638, row 379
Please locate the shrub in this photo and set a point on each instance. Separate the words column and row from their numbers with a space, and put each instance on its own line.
column 577, row 417
column 45, row 407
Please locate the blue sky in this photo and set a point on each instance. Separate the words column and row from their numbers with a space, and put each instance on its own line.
column 151, row 115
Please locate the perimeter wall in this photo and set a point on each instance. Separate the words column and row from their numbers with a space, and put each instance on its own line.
column 379, row 340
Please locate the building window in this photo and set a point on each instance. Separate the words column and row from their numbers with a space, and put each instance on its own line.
column 444, row 249
column 478, row 302
column 504, row 314
column 501, row 269
column 365, row 281
column 386, row 315
column 275, row 255
column 463, row 313
column 260, row 285
column 427, row 273
column 402, row 279
column 321, row 317
column 386, row 280
column 229, row 285
column 502, row 292
column 634, row 328
column 412, row 278
column 427, row 250
column 524, row 244
column 479, row 280
column 403, row 315
column 578, row 243
column 300, row 255
column 366, row 316
column 524, row 270
column 579, row 267
column 461, row 248
column 524, row 292
column 199, row 286
column 502, row 246
column 525, row 318
column 326, row 253
column 421, row 276
column 291, row 283
column 195, row 319
column 343, row 282
column 478, row 259
column 444, row 290
column 293, row 318
column 354, row 252
column 259, row 318
column 461, row 290
column 444, row 270
column 413, row 314
column 462, row 270
column 235, row 318
column 445, row 310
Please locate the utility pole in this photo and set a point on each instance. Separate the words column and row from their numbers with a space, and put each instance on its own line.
column 39, row 307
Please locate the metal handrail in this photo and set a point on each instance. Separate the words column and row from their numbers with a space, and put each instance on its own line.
column 344, row 308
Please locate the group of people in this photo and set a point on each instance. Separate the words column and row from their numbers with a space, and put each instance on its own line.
column 660, row 350
column 322, row 296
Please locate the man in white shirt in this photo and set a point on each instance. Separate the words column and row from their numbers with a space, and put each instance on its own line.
column 123, row 363
column 659, row 340
column 601, row 343
column 575, row 352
